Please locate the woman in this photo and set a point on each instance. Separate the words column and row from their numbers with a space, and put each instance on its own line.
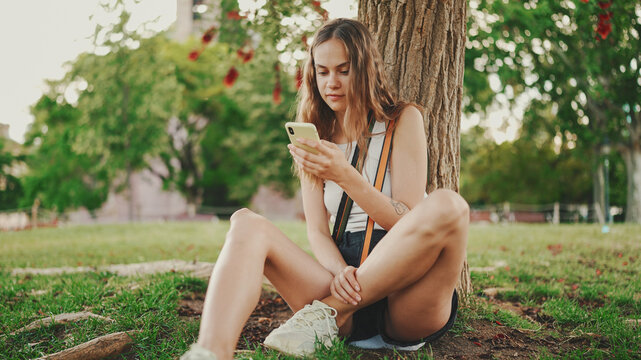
column 403, row 293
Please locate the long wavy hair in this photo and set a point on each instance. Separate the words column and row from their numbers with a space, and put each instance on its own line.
column 368, row 92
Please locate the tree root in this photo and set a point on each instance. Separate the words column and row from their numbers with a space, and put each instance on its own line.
column 60, row 319
column 98, row 348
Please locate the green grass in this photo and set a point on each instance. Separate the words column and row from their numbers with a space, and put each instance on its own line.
column 585, row 283
column 121, row 244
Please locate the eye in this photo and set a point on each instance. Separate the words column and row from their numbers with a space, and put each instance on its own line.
column 345, row 72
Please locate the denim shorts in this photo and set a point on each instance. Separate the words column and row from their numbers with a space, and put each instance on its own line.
column 370, row 321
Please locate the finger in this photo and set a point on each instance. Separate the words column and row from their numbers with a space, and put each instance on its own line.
column 332, row 289
column 351, row 292
column 305, row 154
column 345, row 295
column 350, row 275
column 324, row 147
column 311, row 143
column 352, row 295
column 329, row 144
column 307, row 165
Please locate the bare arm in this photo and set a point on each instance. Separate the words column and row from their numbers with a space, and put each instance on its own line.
column 318, row 234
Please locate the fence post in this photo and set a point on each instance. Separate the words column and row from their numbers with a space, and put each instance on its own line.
column 34, row 213
column 556, row 217
column 506, row 212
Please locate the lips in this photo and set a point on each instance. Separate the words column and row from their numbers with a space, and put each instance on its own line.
column 334, row 97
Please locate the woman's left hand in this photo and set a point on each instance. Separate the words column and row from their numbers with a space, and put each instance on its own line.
column 328, row 164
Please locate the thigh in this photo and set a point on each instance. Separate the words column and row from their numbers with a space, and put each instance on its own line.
column 424, row 307
column 297, row 276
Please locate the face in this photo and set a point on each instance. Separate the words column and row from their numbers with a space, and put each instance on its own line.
column 332, row 74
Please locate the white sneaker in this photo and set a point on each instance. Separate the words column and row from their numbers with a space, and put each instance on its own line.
column 298, row 335
column 197, row 352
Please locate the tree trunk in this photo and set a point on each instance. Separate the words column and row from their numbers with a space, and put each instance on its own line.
column 632, row 158
column 422, row 43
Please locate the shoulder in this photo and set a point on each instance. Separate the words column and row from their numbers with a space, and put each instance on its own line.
column 410, row 120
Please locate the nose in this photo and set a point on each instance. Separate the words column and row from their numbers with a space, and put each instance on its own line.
column 333, row 82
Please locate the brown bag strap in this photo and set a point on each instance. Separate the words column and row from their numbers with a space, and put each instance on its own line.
column 386, row 153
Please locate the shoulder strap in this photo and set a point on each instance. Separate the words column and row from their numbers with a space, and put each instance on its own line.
column 386, row 152
column 345, row 207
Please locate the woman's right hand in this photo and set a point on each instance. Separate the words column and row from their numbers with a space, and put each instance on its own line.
column 345, row 287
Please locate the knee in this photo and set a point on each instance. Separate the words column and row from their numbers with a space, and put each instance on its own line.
column 241, row 215
column 446, row 209
column 247, row 227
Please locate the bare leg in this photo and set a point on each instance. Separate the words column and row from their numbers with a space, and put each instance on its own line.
column 426, row 243
column 254, row 247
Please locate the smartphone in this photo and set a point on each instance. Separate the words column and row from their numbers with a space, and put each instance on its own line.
column 302, row 130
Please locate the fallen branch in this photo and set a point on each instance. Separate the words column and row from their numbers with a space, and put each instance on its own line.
column 60, row 319
column 98, row 348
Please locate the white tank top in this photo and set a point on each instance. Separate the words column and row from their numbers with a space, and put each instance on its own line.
column 333, row 193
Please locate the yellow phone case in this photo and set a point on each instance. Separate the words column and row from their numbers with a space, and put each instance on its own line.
column 302, row 130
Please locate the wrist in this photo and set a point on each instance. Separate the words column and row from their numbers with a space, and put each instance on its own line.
column 348, row 176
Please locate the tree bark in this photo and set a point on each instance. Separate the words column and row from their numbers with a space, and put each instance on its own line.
column 632, row 159
column 422, row 43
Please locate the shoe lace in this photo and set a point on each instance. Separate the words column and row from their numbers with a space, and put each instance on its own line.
column 306, row 317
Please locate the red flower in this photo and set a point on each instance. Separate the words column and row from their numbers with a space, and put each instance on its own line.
column 320, row 10
column 604, row 28
column 299, row 77
column 245, row 56
column 276, row 94
column 604, row 5
column 304, row 40
column 585, row 1
column 605, row 17
column 209, row 35
column 231, row 77
column 235, row 15
column 193, row 56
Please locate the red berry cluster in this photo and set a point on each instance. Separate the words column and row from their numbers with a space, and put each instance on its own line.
column 604, row 26
column 277, row 88
column 207, row 37
column 246, row 53
column 235, row 15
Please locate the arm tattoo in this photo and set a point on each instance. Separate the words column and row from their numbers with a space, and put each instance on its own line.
column 399, row 207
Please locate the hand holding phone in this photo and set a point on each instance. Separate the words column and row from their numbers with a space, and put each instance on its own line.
column 296, row 130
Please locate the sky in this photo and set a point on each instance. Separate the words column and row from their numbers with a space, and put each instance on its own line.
column 39, row 36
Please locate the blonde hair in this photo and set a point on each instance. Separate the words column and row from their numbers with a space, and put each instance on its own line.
column 368, row 90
